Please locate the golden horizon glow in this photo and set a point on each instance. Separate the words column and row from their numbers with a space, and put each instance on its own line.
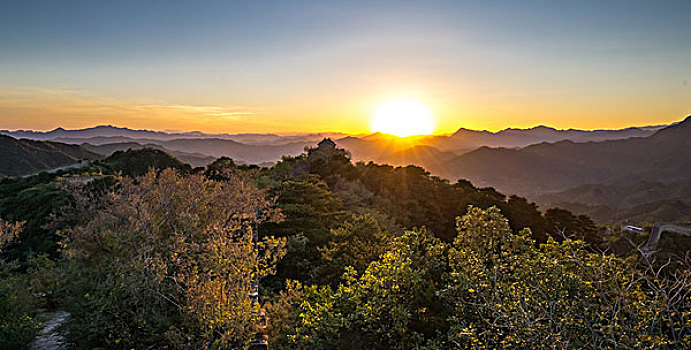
column 352, row 114
column 403, row 117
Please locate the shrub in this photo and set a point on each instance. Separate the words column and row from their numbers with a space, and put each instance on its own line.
column 168, row 261
column 17, row 326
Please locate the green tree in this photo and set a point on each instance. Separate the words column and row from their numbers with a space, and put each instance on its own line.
column 391, row 305
column 523, row 214
column 17, row 325
column 356, row 242
column 35, row 206
column 493, row 288
column 510, row 295
column 309, row 211
column 569, row 225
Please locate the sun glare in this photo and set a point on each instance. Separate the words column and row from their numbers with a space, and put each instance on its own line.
column 403, row 117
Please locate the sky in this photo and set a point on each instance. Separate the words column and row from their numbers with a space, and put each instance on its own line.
column 309, row 66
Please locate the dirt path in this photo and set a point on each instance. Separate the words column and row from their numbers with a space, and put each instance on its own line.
column 49, row 338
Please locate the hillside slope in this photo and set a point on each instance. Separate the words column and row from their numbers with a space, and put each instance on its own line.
column 137, row 162
column 647, row 201
column 23, row 157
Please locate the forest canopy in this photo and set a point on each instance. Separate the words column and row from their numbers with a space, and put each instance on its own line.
column 333, row 254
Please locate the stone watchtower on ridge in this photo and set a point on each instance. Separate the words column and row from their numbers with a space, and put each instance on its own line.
column 326, row 143
column 325, row 149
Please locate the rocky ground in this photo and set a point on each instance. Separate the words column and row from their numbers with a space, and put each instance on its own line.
column 49, row 338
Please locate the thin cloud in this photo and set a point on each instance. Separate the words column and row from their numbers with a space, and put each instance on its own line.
column 234, row 112
column 78, row 108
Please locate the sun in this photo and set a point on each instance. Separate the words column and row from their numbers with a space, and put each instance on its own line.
column 403, row 117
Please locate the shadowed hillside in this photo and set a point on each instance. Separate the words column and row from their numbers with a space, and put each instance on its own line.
column 639, row 202
column 22, row 157
column 136, row 162
column 193, row 159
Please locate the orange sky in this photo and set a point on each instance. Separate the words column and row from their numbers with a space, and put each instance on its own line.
column 41, row 109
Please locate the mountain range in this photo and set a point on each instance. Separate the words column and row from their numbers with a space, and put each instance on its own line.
column 510, row 137
column 664, row 156
column 113, row 133
column 641, row 166
column 270, row 147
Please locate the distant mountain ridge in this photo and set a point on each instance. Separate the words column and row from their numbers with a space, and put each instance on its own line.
column 204, row 147
column 111, row 131
column 664, row 156
column 435, row 153
column 512, row 137
column 462, row 139
column 639, row 172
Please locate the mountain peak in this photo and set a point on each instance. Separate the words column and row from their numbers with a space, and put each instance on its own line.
column 686, row 123
column 543, row 127
column 462, row 131
column 680, row 130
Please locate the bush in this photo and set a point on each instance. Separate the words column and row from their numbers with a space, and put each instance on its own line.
column 17, row 327
column 168, row 261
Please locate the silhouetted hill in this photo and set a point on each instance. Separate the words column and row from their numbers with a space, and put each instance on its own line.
column 549, row 167
column 137, row 162
column 428, row 157
column 23, row 157
column 193, row 159
column 420, row 155
column 379, row 146
column 235, row 150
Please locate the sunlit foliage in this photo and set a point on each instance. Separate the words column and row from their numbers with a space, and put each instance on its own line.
column 358, row 241
column 368, row 256
column 492, row 288
column 168, row 260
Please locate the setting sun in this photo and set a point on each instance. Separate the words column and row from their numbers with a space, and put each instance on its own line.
column 403, row 117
